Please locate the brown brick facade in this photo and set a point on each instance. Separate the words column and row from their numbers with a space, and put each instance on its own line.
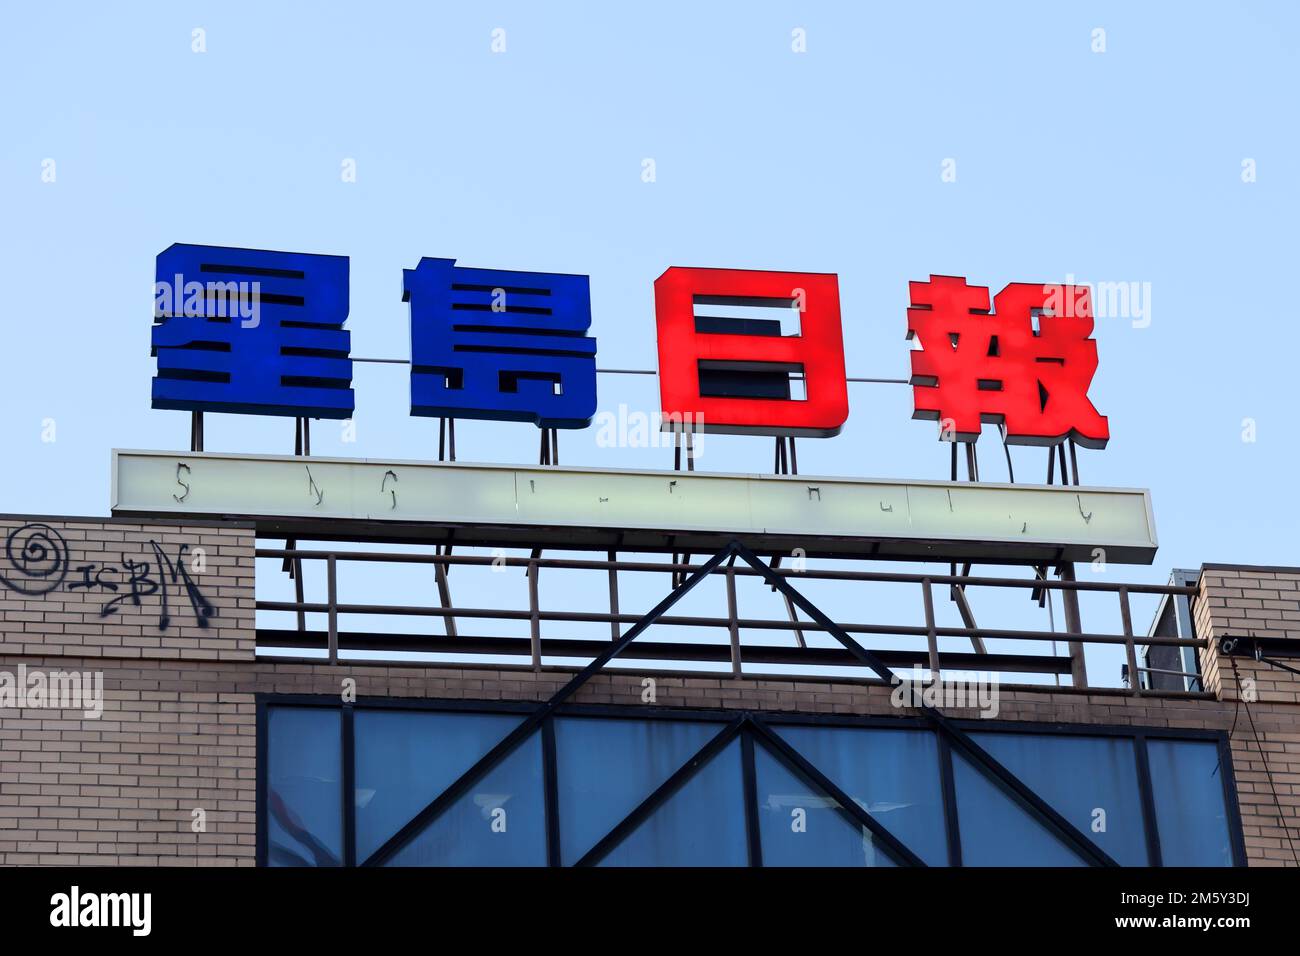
column 178, row 732
column 1247, row 601
column 95, row 588
column 81, row 596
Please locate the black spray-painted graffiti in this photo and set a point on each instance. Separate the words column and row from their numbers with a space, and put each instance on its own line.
column 36, row 563
column 36, row 560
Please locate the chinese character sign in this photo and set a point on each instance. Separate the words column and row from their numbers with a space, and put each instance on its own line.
column 252, row 331
column 1026, row 365
column 497, row 345
column 740, row 351
column 738, row 374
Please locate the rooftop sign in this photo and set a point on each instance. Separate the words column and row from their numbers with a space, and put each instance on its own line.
column 259, row 332
column 555, row 505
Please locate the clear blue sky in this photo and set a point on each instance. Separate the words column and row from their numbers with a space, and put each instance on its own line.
column 1117, row 166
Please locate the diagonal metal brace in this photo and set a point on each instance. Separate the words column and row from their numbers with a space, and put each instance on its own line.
column 954, row 734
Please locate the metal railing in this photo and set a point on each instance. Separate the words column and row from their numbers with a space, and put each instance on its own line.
column 734, row 653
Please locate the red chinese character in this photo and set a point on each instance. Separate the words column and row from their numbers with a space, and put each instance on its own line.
column 735, row 374
column 976, row 367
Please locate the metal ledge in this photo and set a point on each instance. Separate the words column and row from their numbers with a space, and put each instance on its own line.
column 563, row 507
column 668, row 651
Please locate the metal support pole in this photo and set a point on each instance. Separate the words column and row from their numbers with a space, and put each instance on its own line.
column 931, row 637
column 332, row 598
column 613, row 595
column 1070, row 600
column 444, row 590
column 733, row 627
column 1126, row 616
column 958, row 595
column 196, row 431
column 549, row 453
column 291, row 564
column 446, row 439
column 794, row 619
column 534, row 617
column 292, row 544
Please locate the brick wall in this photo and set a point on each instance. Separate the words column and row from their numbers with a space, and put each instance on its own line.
column 79, row 596
column 97, row 588
column 1245, row 601
column 178, row 732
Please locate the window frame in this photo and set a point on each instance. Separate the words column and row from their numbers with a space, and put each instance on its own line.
column 1139, row 734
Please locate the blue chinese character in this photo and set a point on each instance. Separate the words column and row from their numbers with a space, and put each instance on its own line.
column 252, row 331
column 506, row 346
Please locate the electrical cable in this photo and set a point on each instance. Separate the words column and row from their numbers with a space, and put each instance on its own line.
column 1268, row 773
